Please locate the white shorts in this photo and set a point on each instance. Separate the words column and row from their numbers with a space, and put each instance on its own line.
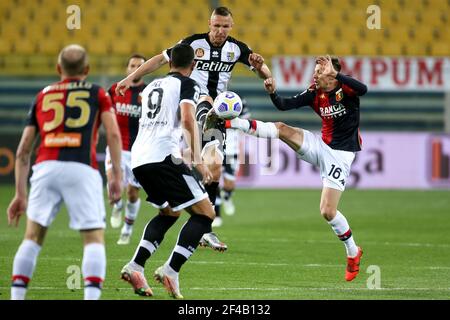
column 127, row 176
column 78, row 185
column 334, row 164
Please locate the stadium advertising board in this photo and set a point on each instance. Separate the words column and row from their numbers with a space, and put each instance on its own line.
column 388, row 160
column 379, row 73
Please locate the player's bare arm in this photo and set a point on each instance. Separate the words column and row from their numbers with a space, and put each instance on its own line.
column 149, row 66
column 192, row 137
column 18, row 204
column 257, row 62
column 114, row 142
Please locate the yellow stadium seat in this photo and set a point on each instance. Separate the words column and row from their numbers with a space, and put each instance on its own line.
column 39, row 64
column 393, row 48
column 356, row 17
column 349, row 33
column 49, row 46
column 342, row 48
column 286, row 16
column 399, row 33
column 440, row 49
column 374, row 35
column 392, row 5
column 424, row 34
column 309, row 17
column 269, row 49
column 11, row 31
column 295, row 48
column 25, row 47
column 99, row 47
column 366, row 48
column 5, row 46
column 318, row 48
column 431, row 17
column 117, row 15
column 416, row 49
column 121, row 47
column 406, row 17
column 15, row 64
column 441, row 5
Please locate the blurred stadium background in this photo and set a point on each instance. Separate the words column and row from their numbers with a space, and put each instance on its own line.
column 33, row 32
column 407, row 125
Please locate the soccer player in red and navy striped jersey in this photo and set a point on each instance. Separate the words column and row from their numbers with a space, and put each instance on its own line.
column 128, row 112
column 335, row 98
column 66, row 115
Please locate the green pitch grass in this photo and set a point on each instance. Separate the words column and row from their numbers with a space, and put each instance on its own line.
column 279, row 248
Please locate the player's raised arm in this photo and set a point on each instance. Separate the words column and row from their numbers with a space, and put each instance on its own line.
column 358, row 87
column 303, row 99
column 257, row 62
column 152, row 64
column 18, row 204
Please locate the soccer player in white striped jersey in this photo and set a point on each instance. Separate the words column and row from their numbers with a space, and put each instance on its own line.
column 216, row 54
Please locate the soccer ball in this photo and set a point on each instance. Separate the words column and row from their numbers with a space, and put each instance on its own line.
column 227, row 105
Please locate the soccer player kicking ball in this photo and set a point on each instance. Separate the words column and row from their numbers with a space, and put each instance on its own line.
column 335, row 98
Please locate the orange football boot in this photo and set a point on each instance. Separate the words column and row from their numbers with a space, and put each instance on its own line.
column 353, row 266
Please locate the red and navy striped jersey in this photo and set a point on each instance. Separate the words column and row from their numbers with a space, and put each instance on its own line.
column 128, row 112
column 67, row 116
column 338, row 108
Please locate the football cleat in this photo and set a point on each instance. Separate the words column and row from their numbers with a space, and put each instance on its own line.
column 124, row 239
column 116, row 217
column 137, row 281
column 212, row 241
column 353, row 266
column 213, row 122
column 170, row 283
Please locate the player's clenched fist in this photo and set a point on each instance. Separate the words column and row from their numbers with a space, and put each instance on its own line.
column 123, row 86
column 256, row 60
column 269, row 85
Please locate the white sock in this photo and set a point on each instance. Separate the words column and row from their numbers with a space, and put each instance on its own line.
column 131, row 213
column 256, row 128
column 23, row 268
column 94, row 269
column 342, row 229
column 118, row 205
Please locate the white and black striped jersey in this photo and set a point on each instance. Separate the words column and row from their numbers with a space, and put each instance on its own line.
column 213, row 65
column 159, row 126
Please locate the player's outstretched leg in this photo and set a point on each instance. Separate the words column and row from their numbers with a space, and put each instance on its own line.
column 253, row 127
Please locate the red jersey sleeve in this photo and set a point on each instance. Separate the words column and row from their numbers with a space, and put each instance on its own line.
column 105, row 101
